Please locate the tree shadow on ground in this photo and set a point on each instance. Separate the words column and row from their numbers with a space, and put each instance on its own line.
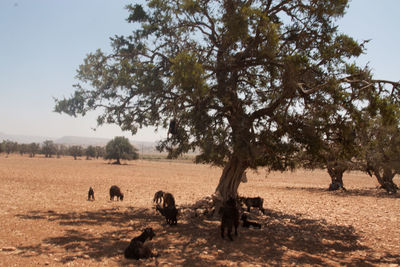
column 284, row 239
column 365, row 192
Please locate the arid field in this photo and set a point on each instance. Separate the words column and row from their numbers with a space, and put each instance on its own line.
column 46, row 218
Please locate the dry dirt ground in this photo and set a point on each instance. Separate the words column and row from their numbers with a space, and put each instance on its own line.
column 47, row 220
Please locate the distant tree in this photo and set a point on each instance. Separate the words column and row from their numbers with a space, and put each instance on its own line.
column 231, row 78
column 75, row 151
column 1, row 148
column 61, row 150
column 90, row 152
column 33, row 149
column 120, row 148
column 10, row 146
column 23, row 148
column 100, row 151
column 48, row 148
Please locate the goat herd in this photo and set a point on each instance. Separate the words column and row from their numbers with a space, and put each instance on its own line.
column 230, row 216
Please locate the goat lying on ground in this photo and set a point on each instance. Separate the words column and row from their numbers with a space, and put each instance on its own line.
column 91, row 194
column 247, row 223
column 137, row 250
column 256, row 202
column 230, row 217
column 170, row 214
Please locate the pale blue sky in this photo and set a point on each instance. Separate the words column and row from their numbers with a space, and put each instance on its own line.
column 44, row 41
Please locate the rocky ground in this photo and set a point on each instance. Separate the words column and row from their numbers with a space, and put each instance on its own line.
column 47, row 220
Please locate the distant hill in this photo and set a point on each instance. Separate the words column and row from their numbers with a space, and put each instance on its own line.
column 81, row 141
column 23, row 139
column 145, row 147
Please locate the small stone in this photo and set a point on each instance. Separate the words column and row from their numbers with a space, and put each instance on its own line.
column 86, row 256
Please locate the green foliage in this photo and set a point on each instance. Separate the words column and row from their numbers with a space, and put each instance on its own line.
column 48, row 148
column 380, row 143
column 9, row 146
column 23, row 148
column 120, row 148
column 90, row 152
column 100, row 151
column 33, row 149
column 75, row 151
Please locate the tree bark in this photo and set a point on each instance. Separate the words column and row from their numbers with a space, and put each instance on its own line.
column 336, row 174
column 385, row 179
column 231, row 178
column 229, row 182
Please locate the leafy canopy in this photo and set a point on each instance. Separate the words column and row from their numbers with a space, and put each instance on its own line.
column 120, row 148
column 253, row 81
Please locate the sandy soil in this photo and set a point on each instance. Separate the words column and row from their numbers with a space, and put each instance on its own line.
column 47, row 220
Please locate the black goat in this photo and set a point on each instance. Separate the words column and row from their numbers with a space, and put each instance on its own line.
column 115, row 191
column 137, row 250
column 170, row 214
column 169, row 200
column 230, row 217
column 91, row 194
column 247, row 223
column 256, row 202
column 158, row 197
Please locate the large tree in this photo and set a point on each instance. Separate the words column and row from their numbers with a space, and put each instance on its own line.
column 234, row 78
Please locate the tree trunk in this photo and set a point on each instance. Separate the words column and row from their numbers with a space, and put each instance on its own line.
column 231, row 178
column 336, row 174
column 229, row 182
column 386, row 180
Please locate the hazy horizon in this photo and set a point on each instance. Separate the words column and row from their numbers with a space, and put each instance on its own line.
column 45, row 41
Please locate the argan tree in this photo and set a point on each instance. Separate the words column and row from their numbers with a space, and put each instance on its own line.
column 10, row 146
column 100, row 151
column 334, row 150
column 380, row 143
column 75, row 151
column 234, row 78
column 49, row 148
column 22, row 149
column 120, row 148
column 90, row 152
column 33, row 149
